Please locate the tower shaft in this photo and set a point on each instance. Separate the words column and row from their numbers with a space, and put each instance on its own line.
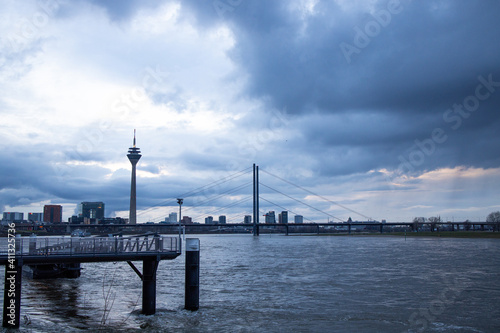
column 132, row 218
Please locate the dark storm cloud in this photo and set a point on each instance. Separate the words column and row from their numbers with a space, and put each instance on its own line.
column 393, row 91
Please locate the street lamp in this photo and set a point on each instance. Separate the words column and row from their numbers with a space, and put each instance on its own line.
column 179, row 201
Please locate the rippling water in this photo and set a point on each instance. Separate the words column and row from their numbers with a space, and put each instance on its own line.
column 288, row 284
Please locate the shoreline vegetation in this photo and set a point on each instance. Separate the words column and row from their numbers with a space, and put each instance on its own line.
column 443, row 234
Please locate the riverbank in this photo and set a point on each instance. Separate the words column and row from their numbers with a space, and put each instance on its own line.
column 449, row 234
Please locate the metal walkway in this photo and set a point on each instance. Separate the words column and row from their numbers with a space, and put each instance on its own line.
column 35, row 250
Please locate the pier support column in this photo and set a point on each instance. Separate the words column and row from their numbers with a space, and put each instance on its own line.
column 192, row 286
column 381, row 228
column 12, row 294
column 149, row 267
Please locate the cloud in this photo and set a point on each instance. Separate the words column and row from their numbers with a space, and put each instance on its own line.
column 213, row 87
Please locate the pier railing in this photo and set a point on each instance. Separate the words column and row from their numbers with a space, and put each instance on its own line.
column 68, row 246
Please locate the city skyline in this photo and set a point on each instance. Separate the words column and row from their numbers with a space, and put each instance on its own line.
column 384, row 108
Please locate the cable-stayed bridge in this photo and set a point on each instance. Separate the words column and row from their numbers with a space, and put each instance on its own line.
column 235, row 193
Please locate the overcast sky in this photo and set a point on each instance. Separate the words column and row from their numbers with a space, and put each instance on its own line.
column 384, row 109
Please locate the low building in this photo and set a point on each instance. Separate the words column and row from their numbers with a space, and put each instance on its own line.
column 13, row 216
column 35, row 217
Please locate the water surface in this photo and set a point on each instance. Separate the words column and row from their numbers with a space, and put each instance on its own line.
column 275, row 283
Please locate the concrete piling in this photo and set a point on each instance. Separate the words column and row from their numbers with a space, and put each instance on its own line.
column 192, row 286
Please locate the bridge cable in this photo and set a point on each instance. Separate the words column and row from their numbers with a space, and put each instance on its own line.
column 187, row 209
column 272, row 203
column 326, row 199
column 196, row 190
column 286, row 195
column 224, row 207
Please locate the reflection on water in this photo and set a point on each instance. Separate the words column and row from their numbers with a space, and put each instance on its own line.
column 283, row 284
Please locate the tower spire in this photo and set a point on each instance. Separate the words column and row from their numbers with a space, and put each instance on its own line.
column 134, row 138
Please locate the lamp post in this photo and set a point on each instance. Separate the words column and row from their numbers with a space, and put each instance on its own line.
column 179, row 201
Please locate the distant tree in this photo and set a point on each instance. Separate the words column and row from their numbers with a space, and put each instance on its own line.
column 467, row 225
column 495, row 218
column 349, row 220
column 433, row 222
column 416, row 221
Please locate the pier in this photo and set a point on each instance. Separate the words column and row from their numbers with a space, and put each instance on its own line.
column 74, row 250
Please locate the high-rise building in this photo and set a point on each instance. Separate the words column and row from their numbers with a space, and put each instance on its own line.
column 13, row 216
column 299, row 219
column 134, row 155
column 35, row 217
column 209, row 220
column 187, row 220
column 91, row 210
column 222, row 219
column 270, row 217
column 247, row 219
column 283, row 217
column 52, row 213
column 172, row 218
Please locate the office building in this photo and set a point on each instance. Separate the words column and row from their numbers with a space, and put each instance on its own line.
column 35, row 217
column 52, row 213
column 13, row 216
column 91, row 210
column 283, row 217
column 247, row 219
column 209, row 220
column 222, row 219
column 299, row 219
column 172, row 218
column 270, row 217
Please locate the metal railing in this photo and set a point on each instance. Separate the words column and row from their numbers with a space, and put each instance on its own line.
column 53, row 246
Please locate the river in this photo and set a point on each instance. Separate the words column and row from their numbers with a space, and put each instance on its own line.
column 275, row 283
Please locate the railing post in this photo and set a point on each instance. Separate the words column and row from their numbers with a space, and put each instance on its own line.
column 32, row 247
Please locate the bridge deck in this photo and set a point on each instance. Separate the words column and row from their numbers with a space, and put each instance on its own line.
column 33, row 250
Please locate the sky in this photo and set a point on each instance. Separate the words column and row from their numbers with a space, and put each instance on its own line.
column 362, row 109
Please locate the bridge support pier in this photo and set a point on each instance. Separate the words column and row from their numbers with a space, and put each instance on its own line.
column 381, row 228
column 12, row 294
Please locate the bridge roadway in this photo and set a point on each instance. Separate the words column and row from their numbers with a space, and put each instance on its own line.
column 173, row 228
column 71, row 250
